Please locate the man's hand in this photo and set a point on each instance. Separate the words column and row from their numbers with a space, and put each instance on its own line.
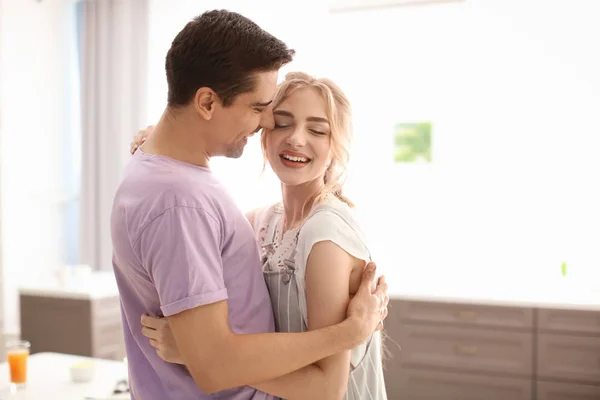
column 368, row 308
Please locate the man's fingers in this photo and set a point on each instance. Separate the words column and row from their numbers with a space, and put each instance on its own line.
column 154, row 343
column 381, row 291
column 381, row 282
column 368, row 277
column 382, row 285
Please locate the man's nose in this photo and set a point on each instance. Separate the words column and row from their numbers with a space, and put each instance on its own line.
column 266, row 119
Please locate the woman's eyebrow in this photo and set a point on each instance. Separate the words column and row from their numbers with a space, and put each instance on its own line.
column 283, row 113
column 317, row 119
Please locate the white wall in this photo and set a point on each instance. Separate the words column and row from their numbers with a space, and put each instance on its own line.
column 34, row 116
column 513, row 92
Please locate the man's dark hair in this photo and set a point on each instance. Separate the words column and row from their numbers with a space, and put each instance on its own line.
column 221, row 50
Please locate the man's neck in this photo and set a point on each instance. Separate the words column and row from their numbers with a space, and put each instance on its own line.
column 178, row 136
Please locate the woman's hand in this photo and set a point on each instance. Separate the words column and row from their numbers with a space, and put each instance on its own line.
column 161, row 338
column 140, row 138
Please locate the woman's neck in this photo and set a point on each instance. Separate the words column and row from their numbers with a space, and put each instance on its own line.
column 295, row 201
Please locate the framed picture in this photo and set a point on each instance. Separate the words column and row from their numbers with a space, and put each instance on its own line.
column 412, row 142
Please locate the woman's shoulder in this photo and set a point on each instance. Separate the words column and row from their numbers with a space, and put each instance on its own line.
column 334, row 221
column 331, row 213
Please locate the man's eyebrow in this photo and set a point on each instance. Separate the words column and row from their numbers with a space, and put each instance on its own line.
column 258, row 104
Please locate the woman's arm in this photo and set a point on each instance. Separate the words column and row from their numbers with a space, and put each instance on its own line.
column 140, row 138
column 327, row 296
column 250, row 215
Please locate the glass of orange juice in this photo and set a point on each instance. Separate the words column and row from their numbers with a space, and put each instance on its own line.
column 18, row 353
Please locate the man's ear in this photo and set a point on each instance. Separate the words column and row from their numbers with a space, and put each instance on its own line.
column 205, row 102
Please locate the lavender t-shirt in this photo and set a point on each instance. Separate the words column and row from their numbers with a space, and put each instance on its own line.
column 180, row 242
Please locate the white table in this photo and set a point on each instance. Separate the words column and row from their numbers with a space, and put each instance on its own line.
column 48, row 378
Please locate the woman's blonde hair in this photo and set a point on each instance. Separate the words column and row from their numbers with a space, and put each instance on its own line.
column 337, row 108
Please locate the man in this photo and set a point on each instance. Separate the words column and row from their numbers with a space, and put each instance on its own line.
column 181, row 247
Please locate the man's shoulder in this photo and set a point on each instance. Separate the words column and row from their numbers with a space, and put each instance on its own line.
column 149, row 194
column 166, row 186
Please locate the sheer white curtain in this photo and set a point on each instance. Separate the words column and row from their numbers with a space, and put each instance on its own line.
column 113, row 72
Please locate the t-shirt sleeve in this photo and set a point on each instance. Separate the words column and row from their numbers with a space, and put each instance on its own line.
column 181, row 253
column 328, row 226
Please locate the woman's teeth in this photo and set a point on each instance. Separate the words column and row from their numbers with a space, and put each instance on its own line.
column 295, row 159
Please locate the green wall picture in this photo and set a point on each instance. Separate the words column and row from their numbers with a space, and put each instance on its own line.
column 412, row 142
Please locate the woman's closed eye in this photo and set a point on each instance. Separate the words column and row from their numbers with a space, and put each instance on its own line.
column 317, row 132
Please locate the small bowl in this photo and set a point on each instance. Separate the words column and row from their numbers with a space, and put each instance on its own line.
column 82, row 371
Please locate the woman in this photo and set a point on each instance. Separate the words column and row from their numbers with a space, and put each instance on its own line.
column 313, row 250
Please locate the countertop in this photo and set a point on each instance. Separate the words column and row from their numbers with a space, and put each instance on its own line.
column 48, row 377
column 558, row 294
column 98, row 285
column 550, row 295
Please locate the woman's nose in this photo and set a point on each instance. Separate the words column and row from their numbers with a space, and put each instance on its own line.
column 297, row 138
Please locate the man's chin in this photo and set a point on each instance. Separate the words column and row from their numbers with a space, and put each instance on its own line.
column 237, row 150
column 235, row 153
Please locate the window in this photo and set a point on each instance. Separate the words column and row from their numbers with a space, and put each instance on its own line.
column 509, row 193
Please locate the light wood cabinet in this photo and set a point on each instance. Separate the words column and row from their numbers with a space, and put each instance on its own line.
column 566, row 391
column 418, row 384
column 568, row 358
column 79, row 326
column 466, row 349
column 462, row 351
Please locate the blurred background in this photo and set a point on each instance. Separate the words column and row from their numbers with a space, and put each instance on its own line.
column 477, row 129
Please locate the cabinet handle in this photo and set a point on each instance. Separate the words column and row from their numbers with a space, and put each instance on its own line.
column 467, row 350
column 465, row 315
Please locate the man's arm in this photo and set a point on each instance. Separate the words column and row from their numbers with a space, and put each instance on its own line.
column 181, row 251
column 222, row 359
column 327, row 295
